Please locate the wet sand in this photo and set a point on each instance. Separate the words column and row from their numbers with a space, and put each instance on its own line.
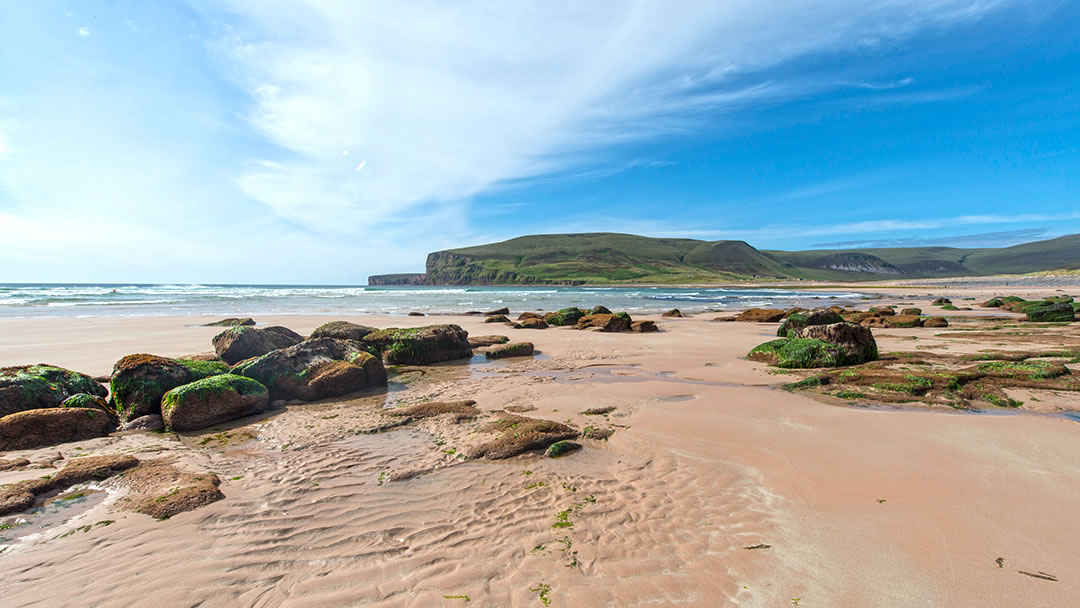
column 858, row 506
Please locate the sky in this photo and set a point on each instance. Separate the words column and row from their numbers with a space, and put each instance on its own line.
column 320, row 141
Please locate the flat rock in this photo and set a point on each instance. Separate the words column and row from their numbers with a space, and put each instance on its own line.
column 32, row 429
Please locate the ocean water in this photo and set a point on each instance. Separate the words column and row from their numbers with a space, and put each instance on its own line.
column 85, row 300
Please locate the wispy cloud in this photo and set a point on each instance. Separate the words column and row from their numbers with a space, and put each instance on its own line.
column 84, row 32
column 983, row 239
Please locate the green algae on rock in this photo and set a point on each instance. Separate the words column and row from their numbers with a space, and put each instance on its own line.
column 420, row 345
column 27, row 387
column 212, row 401
column 140, row 381
column 798, row 353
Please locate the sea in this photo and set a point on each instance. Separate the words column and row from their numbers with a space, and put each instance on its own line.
column 120, row 299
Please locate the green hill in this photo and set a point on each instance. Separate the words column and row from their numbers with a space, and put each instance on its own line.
column 602, row 258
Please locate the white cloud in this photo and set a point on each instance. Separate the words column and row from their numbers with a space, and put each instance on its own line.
column 84, row 31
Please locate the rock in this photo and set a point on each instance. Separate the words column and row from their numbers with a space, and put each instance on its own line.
column 314, row 369
column 420, row 345
column 644, row 327
column 481, row 341
column 150, row 422
column 609, row 323
column 416, row 314
column 941, row 301
column 161, row 491
column 566, row 316
column 674, row 312
column 725, row 319
column 911, row 312
column 531, row 324
column 798, row 353
column 1048, row 312
column 89, row 401
column 285, row 331
column 239, row 343
column 342, row 330
column 28, row 387
column 883, row 311
column 793, row 310
column 903, row 321
column 460, row 410
column 529, row 315
column 796, row 320
column 213, row 400
column 935, row 322
column 599, row 310
column 13, row 464
column 498, row 311
column 21, row 495
column 761, row 315
column 140, row 381
column 497, row 319
column 856, row 341
column 231, row 322
column 31, row 429
column 515, row 435
column 562, row 448
column 514, row 349
column 872, row 322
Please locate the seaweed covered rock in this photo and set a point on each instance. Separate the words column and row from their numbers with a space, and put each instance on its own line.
column 31, row 429
column 515, row 435
column 856, row 341
column 566, row 316
column 481, row 341
column 28, row 387
column 213, row 400
column 797, row 320
column 562, row 448
column 883, row 311
column 239, row 343
column 644, row 327
column 513, row 349
column 420, row 345
column 459, row 410
column 901, row 321
column 798, row 353
column 761, row 315
column 941, row 301
column 90, row 402
column 314, row 369
column 604, row 323
column 599, row 310
column 906, row 312
column 935, row 322
column 1048, row 312
column 161, row 490
column 231, row 322
column 342, row 330
column 416, row 313
column 140, row 381
column 674, row 312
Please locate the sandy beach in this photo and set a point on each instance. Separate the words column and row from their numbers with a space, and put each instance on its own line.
column 716, row 488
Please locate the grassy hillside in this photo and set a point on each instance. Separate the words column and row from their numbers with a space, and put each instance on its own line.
column 625, row 258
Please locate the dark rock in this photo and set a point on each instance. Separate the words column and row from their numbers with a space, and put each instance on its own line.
column 231, row 322
column 566, row 316
column 140, row 381
column 420, row 345
column 674, row 312
column 935, row 322
column 532, row 323
column 911, row 312
column 497, row 319
column 609, row 323
column 883, row 311
column 239, row 343
column 342, row 330
column 903, row 321
column 416, row 314
column 285, row 331
column 31, row 429
column 562, row 448
column 941, row 301
column 481, row 341
column 1048, row 312
column 600, row 310
column 314, row 369
column 498, row 311
column 644, row 327
column 856, row 341
column 150, row 422
column 212, row 401
column 761, row 315
column 90, row 401
column 28, row 387
column 513, row 349
column 529, row 315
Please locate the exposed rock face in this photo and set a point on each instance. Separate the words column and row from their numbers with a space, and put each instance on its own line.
column 604, row 322
column 513, row 349
column 31, row 429
column 856, row 341
column 482, row 341
column 28, row 387
column 407, row 278
column 140, row 381
column 935, row 322
column 150, row 422
column 239, row 343
column 231, row 322
column 644, row 327
column 421, row 345
column 796, row 320
column 498, row 311
column 315, row 369
column 212, row 401
column 531, row 323
column 285, row 331
column 674, row 312
column 761, row 315
column 342, row 330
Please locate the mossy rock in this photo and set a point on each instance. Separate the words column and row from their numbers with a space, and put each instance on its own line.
column 28, row 387
column 624, row 316
column 240, row 343
column 562, row 448
column 515, row 435
column 857, row 342
column 1048, row 312
column 935, row 322
column 910, row 312
column 497, row 319
column 607, row 323
column 599, row 310
column 901, row 321
column 513, row 349
column 949, row 307
column 315, row 369
column 798, row 353
column 342, row 330
column 941, row 301
column 212, row 401
column 798, row 320
column 140, row 381
column 231, row 322
column 420, row 345
column 566, row 316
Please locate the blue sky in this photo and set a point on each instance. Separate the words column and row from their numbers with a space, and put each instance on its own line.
column 315, row 141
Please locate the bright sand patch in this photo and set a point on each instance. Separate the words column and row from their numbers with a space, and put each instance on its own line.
column 861, row 507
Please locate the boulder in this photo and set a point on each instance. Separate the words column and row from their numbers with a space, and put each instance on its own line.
column 529, row 315
column 883, row 311
column 415, row 313
column 150, row 422
column 481, row 341
column 28, row 387
column 420, row 345
column 212, row 401
column 498, row 311
column 761, row 315
column 140, row 381
column 599, row 310
column 935, row 322
column 531, row 324
column 497, row 319
column 89, row 401
column 644, row 327
column 566, row 316
column 674, row 312
column 342, row 330
column 941, row 301
column 562, row 448
column 285, row 331
column 239, row 343
column 903, row 321
column 314, row 369
column 907, row 312
column 513, row 349
column 856, row 341
column 231, row 322
column 872, row 322
column 31, row 429
column 798, row 353
column 604, row 323
column 821, row 316
column 1047, row 312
